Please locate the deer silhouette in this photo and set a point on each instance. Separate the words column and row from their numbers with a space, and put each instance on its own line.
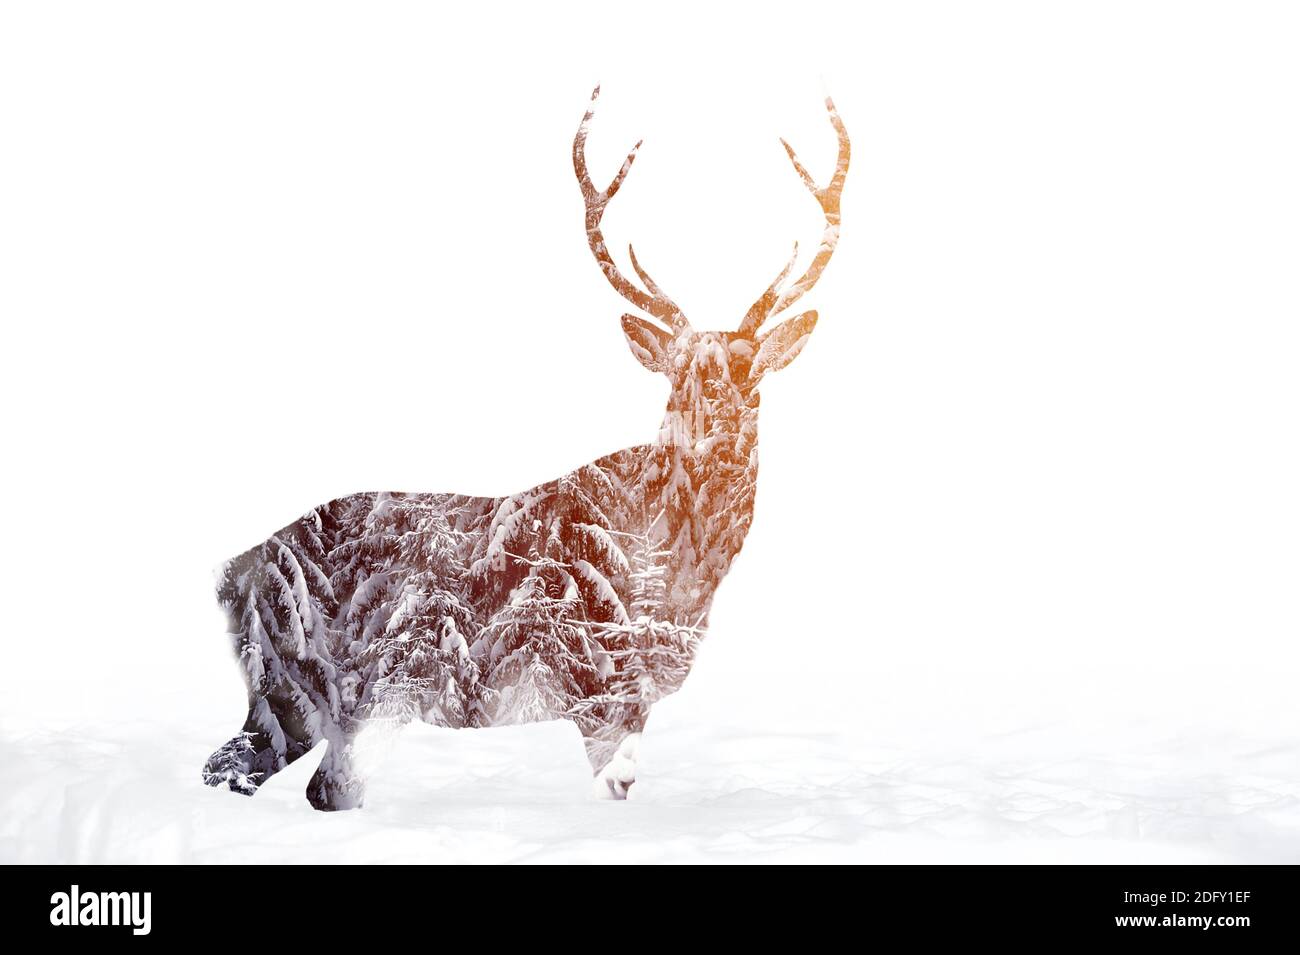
column 584, row 598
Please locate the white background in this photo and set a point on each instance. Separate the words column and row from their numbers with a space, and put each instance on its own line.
column 1033, row 479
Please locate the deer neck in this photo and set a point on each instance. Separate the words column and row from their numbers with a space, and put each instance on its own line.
column 705, row 461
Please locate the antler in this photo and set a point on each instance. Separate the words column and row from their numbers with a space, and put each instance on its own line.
column 656, row 303
column 778, row 298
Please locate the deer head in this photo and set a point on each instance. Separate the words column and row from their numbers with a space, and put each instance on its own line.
column 713, row 372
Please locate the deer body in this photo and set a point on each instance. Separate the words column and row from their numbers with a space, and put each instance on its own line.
column 584, row 598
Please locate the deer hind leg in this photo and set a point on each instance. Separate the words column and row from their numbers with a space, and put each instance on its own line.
column 337, row 784
column 612, row 749
column 251, row 757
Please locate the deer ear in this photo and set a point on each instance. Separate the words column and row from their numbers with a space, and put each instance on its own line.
column 648, row 343
column 779, row 346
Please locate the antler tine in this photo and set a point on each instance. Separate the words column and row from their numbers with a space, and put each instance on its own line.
column 776, row 299
column 798, row 167
column 655, row 290
column 656, row 303
column 764, row 306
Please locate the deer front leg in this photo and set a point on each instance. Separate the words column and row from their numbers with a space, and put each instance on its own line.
column 337, row 784
column 612, row 749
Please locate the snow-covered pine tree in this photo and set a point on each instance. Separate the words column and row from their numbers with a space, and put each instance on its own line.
column 564, row 521
column 537, row 650
column 700, row 477
column 547, row 568
column 648, row 656
column 280, row 603
column 229, row 765
column 726, row 478
column 649, row 562
column 366, row 578
column 426, row 670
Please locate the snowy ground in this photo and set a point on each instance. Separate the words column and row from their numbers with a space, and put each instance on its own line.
column 708, row 793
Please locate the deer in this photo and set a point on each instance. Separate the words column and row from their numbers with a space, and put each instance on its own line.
column 584, row 598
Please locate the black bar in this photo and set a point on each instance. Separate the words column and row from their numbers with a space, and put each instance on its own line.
column 204, row 905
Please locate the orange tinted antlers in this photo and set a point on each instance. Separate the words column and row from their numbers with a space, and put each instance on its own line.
column 778, row 296
column 656, row 303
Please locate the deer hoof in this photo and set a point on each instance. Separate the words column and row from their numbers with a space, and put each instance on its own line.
column 606, row 787
column 619, row 773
